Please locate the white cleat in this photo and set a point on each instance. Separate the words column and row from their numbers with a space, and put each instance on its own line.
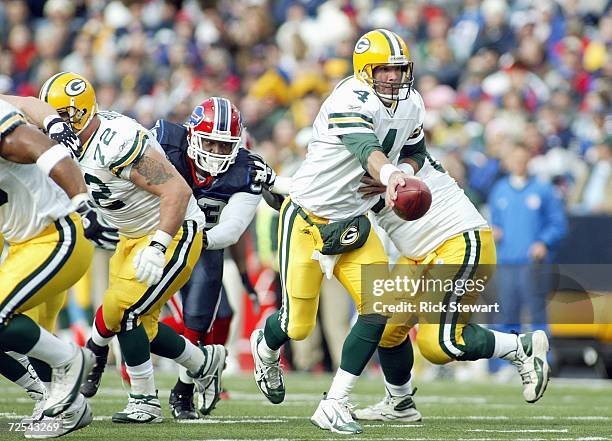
column 77, row 416
column 66, row 381
column 141, row 409
column 208, row 378
column 391, row 409
column 268, row 376
column 532, row 364
column 335, row 415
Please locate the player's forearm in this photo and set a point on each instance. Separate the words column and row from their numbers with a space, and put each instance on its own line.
column 376, row 161
column 172, row 207
column 34, row 109
column 67, row 175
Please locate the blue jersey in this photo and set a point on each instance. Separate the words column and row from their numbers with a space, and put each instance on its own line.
column 213, row 193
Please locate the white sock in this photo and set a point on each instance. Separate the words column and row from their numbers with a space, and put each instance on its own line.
column 141, row 378
column 398, row 391
column 192, row 357
column 51, row 349
column 98, row 339
column 266, row 353
column 183, row 375
column 506, row 345
column 342, row 384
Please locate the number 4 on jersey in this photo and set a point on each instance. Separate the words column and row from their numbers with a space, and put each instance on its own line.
column 362, row 94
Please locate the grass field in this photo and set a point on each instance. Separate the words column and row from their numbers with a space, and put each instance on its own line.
column 570, row 410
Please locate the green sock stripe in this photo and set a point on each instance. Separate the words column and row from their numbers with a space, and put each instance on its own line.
column 134, row 346
column 167, row 343
column 479, row 343
column 11, row 368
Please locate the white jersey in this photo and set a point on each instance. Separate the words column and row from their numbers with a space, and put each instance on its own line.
column 29, row 200
column 327, row 181
column 451, row 213
column 107, row 161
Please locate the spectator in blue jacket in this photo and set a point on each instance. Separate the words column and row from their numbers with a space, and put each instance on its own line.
column 528, row 223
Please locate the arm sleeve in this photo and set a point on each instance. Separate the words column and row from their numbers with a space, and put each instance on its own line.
column 235, row 218
column 555, row 223
column 361, row 145
column 417, row 152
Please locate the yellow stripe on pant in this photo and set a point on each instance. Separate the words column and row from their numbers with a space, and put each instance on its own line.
column 40, row 269
column 128, row 302
column 301, row 276
column 440, row 339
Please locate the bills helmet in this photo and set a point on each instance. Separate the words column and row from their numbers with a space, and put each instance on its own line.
column 214, row 133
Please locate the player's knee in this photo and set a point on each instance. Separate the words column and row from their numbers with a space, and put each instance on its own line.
column 300, row 332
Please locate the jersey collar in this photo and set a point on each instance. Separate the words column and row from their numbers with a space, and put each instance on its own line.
column 206, row 182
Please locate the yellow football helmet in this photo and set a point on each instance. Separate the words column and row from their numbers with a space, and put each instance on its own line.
column 73, row 97
column 382, row 47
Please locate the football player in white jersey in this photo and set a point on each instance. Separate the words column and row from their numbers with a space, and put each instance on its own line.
column 451, row 233
column 141, row 194
column 48, row 253
column 361, row 128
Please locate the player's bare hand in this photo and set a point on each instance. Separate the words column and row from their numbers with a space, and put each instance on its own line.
column 397, row 179
column 371, row 187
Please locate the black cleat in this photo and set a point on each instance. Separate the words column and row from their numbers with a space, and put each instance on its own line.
column 181, row 406
column 90, row 387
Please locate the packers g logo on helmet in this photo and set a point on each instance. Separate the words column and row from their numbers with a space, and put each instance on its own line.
column 73, row 97
column 362, row 45
column 75, row 87
column 382, row 47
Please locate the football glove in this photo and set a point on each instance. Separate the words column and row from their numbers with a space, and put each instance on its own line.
column 96, row 228
column 261, row 172
column 149, row 263
column 246, row 282
column 59, row 131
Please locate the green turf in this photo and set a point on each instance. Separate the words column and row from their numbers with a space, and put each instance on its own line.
column 570, row 410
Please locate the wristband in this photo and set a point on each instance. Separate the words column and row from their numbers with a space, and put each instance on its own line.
column 162, row 238
column 51, row 157
column 406, row 168
column 385, row 173
column 79, row 199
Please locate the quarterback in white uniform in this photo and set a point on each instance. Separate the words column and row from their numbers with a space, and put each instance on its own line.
column 40, row 188
column 159, row 223
column 360, row 130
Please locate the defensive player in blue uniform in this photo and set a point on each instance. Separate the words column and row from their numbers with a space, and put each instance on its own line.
column 227, row 182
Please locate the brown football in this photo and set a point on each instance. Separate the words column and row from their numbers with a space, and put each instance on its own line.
column 413, row 200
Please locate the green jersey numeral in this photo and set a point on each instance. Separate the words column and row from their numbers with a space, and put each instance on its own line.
column 100, row 196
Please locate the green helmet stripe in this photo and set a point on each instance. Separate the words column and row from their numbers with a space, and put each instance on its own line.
column 44, row 93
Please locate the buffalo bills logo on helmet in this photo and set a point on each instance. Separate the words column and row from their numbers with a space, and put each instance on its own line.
column 196, row 116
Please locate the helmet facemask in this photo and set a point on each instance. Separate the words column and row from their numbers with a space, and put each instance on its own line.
column 209, row 162
column 399, row 91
